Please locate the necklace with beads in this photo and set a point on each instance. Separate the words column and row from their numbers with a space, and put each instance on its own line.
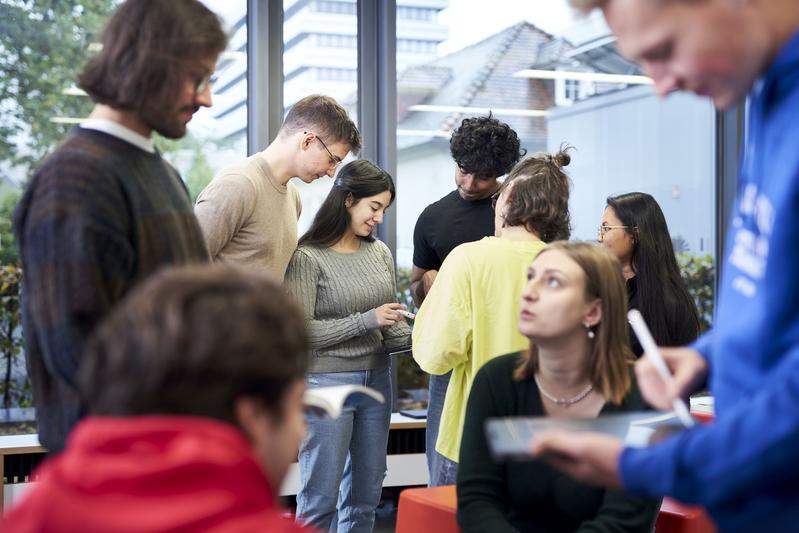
column 565, row 402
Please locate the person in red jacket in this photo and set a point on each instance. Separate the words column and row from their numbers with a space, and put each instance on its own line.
column 194, row 386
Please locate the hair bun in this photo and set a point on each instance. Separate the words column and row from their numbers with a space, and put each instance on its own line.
column 562, row 158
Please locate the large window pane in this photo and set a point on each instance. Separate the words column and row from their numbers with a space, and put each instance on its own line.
column 544, row 70
column 217, row 136
column 320, row 57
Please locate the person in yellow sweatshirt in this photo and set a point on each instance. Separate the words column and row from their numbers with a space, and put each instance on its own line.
column 471, row 313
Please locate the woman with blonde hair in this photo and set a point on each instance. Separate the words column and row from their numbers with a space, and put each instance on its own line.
column 578, row 365
column 469, row 315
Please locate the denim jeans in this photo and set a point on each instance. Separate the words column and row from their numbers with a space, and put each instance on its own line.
column 435, row 405
column 445, row 473
column 343, row 461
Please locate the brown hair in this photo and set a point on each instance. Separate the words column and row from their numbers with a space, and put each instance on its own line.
column 325, row 117
column 147, row 47
column 190, row 341
column 539, row 198
column 610, row 357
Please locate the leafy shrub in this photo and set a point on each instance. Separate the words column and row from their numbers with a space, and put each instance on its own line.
column 15, row 386
column 699, row 273
column 409, row 375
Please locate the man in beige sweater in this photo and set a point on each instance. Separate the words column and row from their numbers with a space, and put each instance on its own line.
column 249, row 211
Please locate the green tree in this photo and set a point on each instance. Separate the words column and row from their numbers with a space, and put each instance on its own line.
column 699, row 273
column 410, row 376
column 14, row 394
column 8, row 247
column 43, row 46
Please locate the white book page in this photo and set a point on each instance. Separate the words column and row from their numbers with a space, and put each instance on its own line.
column 332, row 400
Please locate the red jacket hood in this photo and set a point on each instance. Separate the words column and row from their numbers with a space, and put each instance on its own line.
column 150, row 474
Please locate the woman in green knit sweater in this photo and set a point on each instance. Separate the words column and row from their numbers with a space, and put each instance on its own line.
column 343, row 279
column 578, row 366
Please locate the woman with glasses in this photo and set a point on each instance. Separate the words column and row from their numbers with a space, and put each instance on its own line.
column 634, row 229
column 576, row 365
column 469, row 315
column 343, row 279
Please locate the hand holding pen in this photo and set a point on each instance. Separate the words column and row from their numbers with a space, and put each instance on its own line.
column 668, row 394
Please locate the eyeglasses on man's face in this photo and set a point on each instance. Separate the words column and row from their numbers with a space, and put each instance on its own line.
column 335, row 161
column 205, row 82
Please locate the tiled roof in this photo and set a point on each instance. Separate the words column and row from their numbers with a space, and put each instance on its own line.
column 481, row 76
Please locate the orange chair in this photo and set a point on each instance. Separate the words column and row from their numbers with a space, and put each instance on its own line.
column 676, row 517
column 428, row 509
column 434, row 508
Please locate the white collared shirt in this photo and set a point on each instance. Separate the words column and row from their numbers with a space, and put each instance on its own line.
column 118, row 130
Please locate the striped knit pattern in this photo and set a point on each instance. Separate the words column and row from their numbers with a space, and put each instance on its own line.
column 339, row 294
column 98, row 217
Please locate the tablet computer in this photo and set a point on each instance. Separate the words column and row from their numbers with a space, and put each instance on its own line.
column 509, row 438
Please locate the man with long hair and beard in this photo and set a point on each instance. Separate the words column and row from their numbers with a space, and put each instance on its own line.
column 104, row 210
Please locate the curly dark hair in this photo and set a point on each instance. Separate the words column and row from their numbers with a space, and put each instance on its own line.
column 485, row 147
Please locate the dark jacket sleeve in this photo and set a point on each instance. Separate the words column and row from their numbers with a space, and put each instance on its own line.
column 482, row 494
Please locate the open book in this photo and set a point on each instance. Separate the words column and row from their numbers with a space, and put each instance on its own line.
column 509, row 438
column 330, row 401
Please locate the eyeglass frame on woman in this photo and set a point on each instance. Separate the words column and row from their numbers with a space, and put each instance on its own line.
column 603, row 230
column 335, row 159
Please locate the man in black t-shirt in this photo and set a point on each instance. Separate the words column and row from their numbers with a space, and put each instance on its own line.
column 483, row 149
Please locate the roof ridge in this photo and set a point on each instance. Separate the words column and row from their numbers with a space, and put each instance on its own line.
column 485, row 72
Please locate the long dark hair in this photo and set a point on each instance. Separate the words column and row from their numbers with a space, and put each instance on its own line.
column 358, row 179
column 662, row 296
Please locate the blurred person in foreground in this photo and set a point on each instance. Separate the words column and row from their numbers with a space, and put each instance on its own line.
column 743, row 468
column 194, row 387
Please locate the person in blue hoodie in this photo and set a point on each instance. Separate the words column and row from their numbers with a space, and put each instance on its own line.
column 743, row 468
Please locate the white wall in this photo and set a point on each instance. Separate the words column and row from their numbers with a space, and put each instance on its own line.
column 631, row 141
column 423, row 176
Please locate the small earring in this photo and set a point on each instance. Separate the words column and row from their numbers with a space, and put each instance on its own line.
column 591, row 334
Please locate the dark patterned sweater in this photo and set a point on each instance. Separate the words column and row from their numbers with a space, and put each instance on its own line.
column 98, row 217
